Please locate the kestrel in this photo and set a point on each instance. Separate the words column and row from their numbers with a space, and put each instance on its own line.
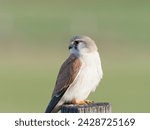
column 79, row 75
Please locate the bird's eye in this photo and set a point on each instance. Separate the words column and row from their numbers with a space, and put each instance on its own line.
column 76, row 43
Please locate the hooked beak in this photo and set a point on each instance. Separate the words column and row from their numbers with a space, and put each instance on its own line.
column 70, row 47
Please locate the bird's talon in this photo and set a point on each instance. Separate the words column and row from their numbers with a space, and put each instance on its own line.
column 89, row 102
column 81, row 102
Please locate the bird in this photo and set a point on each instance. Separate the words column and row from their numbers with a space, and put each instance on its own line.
column 78, row 76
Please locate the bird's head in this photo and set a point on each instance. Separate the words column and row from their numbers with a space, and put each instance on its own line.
column 80, row 45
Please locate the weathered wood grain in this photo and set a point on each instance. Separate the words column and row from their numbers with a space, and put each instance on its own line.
column 101, row 107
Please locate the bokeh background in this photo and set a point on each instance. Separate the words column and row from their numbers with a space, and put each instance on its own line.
column 34, row 36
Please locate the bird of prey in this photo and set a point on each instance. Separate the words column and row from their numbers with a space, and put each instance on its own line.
column 79, row 75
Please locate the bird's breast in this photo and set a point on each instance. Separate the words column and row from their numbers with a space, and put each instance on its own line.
column 87, row 79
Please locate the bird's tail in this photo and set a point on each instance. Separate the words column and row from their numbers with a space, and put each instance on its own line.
column 54, row 106
column 55, row 103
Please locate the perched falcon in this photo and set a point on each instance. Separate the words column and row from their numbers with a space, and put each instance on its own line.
column 79, row 75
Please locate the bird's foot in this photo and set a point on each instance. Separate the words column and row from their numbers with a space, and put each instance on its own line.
column 81, row 102
column 88, row 101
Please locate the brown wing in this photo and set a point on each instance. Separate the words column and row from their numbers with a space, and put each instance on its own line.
column 66, row 76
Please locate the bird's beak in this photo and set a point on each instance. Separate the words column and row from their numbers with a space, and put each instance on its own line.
column 70, row 47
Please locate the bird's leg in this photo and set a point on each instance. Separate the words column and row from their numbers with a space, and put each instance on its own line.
column 78, row 102
column 81, row 102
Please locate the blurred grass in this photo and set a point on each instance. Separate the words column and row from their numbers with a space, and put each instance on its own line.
column 33, row 44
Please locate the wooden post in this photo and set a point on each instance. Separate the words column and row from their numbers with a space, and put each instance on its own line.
column 102, row 107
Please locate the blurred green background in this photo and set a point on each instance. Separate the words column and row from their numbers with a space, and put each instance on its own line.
column 34, row 36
